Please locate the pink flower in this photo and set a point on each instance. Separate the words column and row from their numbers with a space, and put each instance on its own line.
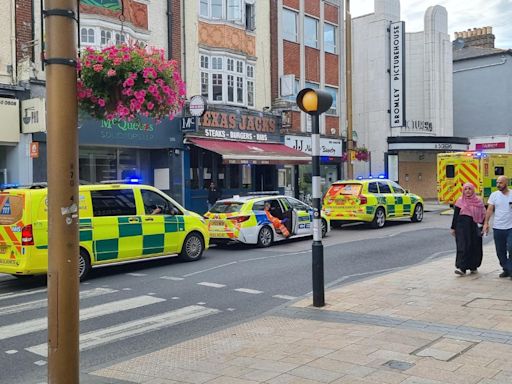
column 111, row 72
column 101, row 102
column 150, row 106
column 97, row 67
column 128, row 82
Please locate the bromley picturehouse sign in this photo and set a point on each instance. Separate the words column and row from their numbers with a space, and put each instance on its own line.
column 397, row 74
column 239, row 125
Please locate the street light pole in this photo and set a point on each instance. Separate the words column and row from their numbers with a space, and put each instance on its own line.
column 315, row 102
column 62, row 140
column 348, row 81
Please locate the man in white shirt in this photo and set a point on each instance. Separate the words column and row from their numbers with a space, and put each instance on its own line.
column 500, row 204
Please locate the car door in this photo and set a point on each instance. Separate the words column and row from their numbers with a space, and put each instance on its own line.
column 163, row 224
column 303, row 215
column 387, row 194
column 402, row 200
column 117, row 229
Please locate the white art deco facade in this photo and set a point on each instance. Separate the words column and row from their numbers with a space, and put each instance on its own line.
column 403, row 126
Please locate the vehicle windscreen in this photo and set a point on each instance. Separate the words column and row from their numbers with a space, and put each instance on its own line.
column 344, row 189
column 226, row 207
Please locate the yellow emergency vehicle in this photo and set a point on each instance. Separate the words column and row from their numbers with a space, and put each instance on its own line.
column 118, row 223
column 372, row 200
column 481, row 169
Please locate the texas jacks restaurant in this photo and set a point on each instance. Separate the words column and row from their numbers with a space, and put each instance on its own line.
column 241, row 151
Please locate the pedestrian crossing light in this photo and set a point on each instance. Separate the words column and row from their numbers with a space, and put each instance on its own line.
column 314, row 101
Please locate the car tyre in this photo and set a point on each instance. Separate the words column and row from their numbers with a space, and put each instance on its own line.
column 324, row 228
column 379, row 219
column 84, row 264
column 193, row 247
column 417, row 216
column 265, row 237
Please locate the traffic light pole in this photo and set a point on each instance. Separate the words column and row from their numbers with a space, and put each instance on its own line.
column 317, row 247
column 62, row 140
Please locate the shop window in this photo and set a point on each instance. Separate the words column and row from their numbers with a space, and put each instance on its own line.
column 113, row 203
column 234, row 176
column 246, row 176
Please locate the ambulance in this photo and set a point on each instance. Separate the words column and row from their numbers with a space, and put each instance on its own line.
column 481, row 169
column 118, row 223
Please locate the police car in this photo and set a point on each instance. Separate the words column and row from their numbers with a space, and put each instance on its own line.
column 261, row 220
column 118, row 223
column 370, row 200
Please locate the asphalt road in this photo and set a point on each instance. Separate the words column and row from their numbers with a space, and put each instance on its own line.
column 134, row 309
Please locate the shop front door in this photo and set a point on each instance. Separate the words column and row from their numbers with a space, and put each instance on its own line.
column 265, row 178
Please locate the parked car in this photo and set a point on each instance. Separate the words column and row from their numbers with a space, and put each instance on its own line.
column 370, row 200
column 261, row 220
column 118, row 223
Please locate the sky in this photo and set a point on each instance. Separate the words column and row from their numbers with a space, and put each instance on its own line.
column 462, row 15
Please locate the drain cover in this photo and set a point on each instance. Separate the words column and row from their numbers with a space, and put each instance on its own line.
column 400, row 365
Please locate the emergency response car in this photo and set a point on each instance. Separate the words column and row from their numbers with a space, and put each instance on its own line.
column 261, row 220
column 118, row 223
column 370, row 200
column 480, row 169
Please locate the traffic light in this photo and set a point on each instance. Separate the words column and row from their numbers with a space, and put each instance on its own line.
column 314, row 101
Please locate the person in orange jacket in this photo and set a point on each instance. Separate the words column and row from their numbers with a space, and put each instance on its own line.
column 278, row 224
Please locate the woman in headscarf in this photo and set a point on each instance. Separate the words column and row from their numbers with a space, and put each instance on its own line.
column 468, row 216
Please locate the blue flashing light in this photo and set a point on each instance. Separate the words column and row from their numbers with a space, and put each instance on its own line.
column 133, row 180
column 9, row 185
column 382, row 176
column 359, row 178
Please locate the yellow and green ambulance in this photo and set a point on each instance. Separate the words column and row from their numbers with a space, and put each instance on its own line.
column 118, row 223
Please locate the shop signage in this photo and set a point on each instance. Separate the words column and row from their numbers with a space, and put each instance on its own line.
column 33, row 115
column 197, row 105
column 328, row 147
column 10, row 115
column 239, row 125
column 433, row 146
column 397, row 74
column 418, row 125
column 144, row 133
column 482, row 146
column 188, row 124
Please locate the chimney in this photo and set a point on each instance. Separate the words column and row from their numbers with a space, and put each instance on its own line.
column 477, row 37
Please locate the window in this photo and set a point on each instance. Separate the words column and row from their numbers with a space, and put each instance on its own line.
column 87, row 35
column 113, row 203
column 204, row 9
column 106, row 37
column 384, row 187
column 372, row 188
column 450, row 171
column 216, row 9
column 311, row 32
column 397, row 188
column 499, row 171
column 155, row 203
column 334, row 106
column 296, row 204
column 289, row 25
column 230, row 83
column 250, row 17
column 120, row 39
column 234, row 10
column 329, row 38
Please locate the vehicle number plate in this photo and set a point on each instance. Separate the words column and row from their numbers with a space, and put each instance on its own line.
column 3, row 248
column 217, row 223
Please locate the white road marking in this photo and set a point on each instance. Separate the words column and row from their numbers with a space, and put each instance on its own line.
column 284, row 297
column 11, row 351
column 37, row 304
column 133, row 328
column 39, row 324
column 213, row 285
column 5, row 296
column 175, row 298
column 172, row 278
column 247, row 290
column 40, row 362
column 126, row 289
column 230, row 309
column 210, row 269
column 137, row 274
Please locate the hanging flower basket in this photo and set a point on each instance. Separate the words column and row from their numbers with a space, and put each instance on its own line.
column 361, row 154
column 124, row 82
column 344, row 157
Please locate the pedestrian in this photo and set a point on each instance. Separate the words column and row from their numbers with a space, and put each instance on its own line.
column 500, row 204
column 468, row 217
column 214, row 194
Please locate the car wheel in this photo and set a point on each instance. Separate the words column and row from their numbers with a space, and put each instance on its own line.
column 193, row 247
column 84, row 264
column 418, row 213
column 379, row 219
column 324, row 227
column 265, row 237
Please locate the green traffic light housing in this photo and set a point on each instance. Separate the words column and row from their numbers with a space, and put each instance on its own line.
column 314, row 101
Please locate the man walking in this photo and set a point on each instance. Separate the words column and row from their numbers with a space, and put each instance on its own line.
column 214, row 194
column 500, row 204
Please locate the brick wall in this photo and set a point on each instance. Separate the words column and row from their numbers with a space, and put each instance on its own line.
column 291, row 57
column 23, row 30
column 332, row 69
column 312, row 62
column 312, row 7
column 175, row 8
column 295, row 4
column 331, row 13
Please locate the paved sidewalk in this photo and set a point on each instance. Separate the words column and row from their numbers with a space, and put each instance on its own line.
column 419, row 325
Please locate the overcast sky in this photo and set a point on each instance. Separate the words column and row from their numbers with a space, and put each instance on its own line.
column 462, row 15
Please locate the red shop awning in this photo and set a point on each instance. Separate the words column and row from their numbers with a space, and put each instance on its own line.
column 235, row 152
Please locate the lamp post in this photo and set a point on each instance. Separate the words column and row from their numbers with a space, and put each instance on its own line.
column 348, row 84
column 315, row 102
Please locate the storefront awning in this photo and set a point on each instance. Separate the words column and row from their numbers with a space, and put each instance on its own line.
column 235, row 152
